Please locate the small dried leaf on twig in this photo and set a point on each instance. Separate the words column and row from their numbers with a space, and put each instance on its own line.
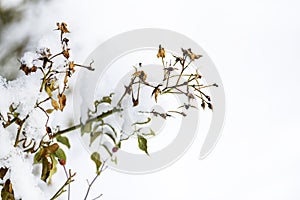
column 3, row 171
column 190, row 54
column 203, row 105
column 62, row 27
column 156, row 92
column 72, row 66
column 62, row 99
column 54, row 104
column 134, row 101
column 161, row 52
column 27, row 70
column 66, row 53
column 178, row 59
column 209, row 105
column 141, row 74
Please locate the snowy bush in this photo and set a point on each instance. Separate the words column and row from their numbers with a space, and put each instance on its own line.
column 28, row 105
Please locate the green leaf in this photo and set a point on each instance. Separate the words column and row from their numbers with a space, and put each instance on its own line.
column 152, row 133
column 119, row 144
column 96, row 158
column 60, row 154
column 37, row 156
column 49, row 111
column 7, row 192
column 106, row 99
column 94, row 136
column 143, row 144
column 86, row 128
column 107, row 149
column 166, row 91
column 64, row 140
column 111, row 137
column 142, row 123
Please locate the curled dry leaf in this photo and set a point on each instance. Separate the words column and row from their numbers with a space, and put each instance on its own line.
column 156, row 92
column 62, row 99
column 27, row 70
column 190, row 54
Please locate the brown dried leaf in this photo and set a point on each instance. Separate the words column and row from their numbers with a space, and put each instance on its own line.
column 161, row 52
column 190, row 54
column 134, row 101
column 71, row 66
column 27, row 70
column 51, row 149
column 62, row 27
column 203, row 105
column 66, row 53
column 156, row 92
column 209, row 105
column 141, row 74
column 62, row 99
column 3, row 171
column 66, row 79
column 47, row 165
column 136, row 74
column 54, row 104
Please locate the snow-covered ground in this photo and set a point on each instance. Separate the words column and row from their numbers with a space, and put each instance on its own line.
column 254, row 45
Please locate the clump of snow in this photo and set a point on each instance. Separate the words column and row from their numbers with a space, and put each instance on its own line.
column 28, row 59
column 22, row 93
column 25, row 184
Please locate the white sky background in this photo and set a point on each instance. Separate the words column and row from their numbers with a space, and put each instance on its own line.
column 255, row 45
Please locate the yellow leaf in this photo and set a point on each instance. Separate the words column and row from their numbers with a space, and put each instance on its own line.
column 49, row 111
column 48, row 90
column 62, row 99
column 54, row 104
